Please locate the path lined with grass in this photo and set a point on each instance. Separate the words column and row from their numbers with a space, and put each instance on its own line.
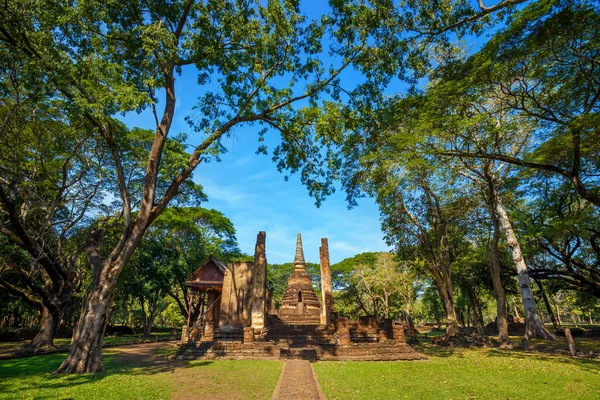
column 296, row 382
column 149, row 372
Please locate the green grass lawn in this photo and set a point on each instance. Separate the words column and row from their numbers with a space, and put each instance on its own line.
column 108, row 340
column 464, row 373
column 31, row 378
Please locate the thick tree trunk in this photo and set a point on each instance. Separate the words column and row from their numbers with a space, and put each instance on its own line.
column 477, row 314
column 451, row 320
column 49, row 321
column 499, row 293
column 444, row 287
column 534, row 326
column 85, row 354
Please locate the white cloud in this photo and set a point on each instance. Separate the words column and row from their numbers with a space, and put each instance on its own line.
column 258, row 176
column 230, row 195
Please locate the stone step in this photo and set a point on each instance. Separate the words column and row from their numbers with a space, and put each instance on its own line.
column 325, row 352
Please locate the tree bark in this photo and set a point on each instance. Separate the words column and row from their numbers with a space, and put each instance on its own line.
column 534, row 326
column 448, row 303
column 499, row 293
column 49, row 321
column 85, row 354
column 547, row 304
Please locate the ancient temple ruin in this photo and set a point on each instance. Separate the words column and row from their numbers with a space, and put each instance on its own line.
column 238, row 320
column 300, row 303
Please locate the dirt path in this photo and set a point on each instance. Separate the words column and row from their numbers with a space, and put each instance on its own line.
column 154, row 357
column 148, row 354
column 297, row 381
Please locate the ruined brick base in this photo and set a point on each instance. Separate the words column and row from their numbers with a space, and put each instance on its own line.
column 235, row 350
column 364, row 340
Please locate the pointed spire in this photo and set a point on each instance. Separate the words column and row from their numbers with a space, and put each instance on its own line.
column 299, row 259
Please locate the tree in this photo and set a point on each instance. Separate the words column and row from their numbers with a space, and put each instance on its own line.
column 104, row 59
column 543, row 68
column 109, row 58
column 419, row 209
column 565, row 229
column 52, row 172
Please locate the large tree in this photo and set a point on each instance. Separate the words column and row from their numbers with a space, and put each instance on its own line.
column 118, row 57
column 262, row 58
column 543, row 67
column 51, row 175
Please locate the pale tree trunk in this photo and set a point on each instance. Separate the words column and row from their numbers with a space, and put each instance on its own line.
column 499, row 293
column 557, row 309
column 534, row 326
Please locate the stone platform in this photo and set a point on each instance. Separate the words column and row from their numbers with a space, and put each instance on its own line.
column 363, row 340
column 237, row 350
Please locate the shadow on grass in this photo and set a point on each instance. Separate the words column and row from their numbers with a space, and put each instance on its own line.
column 583, row 363
column 36, row 373
column 437, row 351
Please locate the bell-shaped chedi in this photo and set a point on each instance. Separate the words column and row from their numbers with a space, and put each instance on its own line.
column 300, row 303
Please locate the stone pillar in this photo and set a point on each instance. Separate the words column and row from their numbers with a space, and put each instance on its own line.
column 343, row 331
column 210, row 318
column 248, row 335
column 326, row 288
column 259, row 290
column 398, row 334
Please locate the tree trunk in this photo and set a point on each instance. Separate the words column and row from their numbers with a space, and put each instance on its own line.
column 447, row 301
column 436, row 315
column 410, row 323
column 557, row 314
column 149, row 318
column 477, row 314
column 547, row 304
column 534, row 327
column 499, row 293
column 85, row 354
column 147, row 327
column 451, row 320
column 44, row 339
column 516, row 311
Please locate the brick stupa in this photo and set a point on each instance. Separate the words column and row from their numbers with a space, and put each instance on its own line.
column 301, row 305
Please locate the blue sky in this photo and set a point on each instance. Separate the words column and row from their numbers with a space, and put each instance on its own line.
column 249, row 190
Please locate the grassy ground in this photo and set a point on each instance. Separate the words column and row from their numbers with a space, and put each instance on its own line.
column 464, row 373
column 110, row 340
column 29, row 378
